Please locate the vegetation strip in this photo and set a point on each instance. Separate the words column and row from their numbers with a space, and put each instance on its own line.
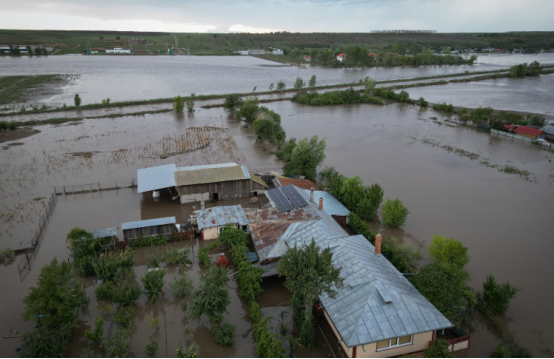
column 12, row 88
column 213, row 97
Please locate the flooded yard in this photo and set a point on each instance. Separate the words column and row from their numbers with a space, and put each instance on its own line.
column 450, row 177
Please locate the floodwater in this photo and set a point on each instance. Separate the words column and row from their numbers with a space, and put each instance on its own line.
column 123, row 78
column 530, row 94
column 503, row 218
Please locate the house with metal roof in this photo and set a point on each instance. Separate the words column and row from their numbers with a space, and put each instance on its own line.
column 217, row 182
column 378, row 312
column 204, row 182
column 142, row 230
column 212, row 221
column 549, row 131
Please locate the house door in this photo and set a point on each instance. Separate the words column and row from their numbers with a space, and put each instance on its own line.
column 216, row 196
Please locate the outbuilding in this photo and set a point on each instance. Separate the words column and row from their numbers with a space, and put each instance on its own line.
column 212, row 221
column 150, row 228
column 529, row 132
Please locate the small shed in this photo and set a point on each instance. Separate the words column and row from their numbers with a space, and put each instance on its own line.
column 149, row 228
column 108, row 237
column 212, row 221
column 529, row 132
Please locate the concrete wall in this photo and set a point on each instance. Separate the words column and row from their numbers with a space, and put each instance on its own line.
column 419, row 342
column 209, row 233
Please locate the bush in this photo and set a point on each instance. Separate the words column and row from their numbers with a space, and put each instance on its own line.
column 248, row 110
column 106, row 267
column 181, row 285
column 77, row 100
column 233, row 101
column 203, row 256
column 498, row 296
column 117, row 344
column 151, row 348
column 422, row 103
column 153, row 281
column 394, row 213
column 5, row 254
column 175, row 256
column 96, row 335
column 439, row 349
column 190, row 103
column 444, row 107
column 124, row 316
column 349, row 96
column 178, row 104
column 281, row 86
column 498, row 352
column 224, row 334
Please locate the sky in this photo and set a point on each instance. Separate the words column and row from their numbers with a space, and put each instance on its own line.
column 220, row 16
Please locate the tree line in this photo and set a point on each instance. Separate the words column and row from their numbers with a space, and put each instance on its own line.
column 15, row 51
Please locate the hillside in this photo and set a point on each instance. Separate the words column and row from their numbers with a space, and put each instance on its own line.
column 218, row 44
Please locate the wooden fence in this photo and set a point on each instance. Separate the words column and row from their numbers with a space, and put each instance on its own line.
column 94, row 187
column 25, row 264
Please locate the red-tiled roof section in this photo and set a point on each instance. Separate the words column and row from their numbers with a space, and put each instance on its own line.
column 300, row 183
column 509, row 127
column 528, row 131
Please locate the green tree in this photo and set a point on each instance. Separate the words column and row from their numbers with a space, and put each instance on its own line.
column 369, row 85
column 96, row 335
column 534, row 69
column 518, row 70
column 281, row 86
column 309, row 273
column 304, row 157
column 439, row 349
column 211, row 298
column 271, row 87
column 312, row 82
column 299, row 84
column 248, row 111
column 178, row 104
column 54, row 299
column 77, row 100
column 153, row 281
column 448, row 251
column 46, row 342
column 190, row 103
column 117, row 38
column 181, row 286
column 151, row 348
column 232, row 102
column 29, row 50
column 498, row 296
column 224, row 334
column 394, row 213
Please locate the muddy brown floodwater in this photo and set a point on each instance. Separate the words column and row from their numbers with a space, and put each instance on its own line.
column 447, row 175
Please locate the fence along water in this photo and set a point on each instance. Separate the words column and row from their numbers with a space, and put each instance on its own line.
column 24, row 265
column 520, row 138
column 94, row 187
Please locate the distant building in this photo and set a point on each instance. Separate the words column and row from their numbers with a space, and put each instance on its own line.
column 372, row 54
column 243, row 52
column 340, row 57
column 529, row 132
column 257, row 52
column 118, row 50
column 277, row 52
column 307, row 58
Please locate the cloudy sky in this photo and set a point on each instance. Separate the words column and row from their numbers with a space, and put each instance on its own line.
column 274, row 15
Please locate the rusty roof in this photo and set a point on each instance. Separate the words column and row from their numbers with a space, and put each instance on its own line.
column 273, row 214
column 300, row 183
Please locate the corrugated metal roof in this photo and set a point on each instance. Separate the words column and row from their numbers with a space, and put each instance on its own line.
column 548, row 129
column 103, row 233
column 209, row 175
column 221, row 216
column 154, row 178
column 258, row 180
column 148, row 223
column 331, row 205
column 203, row 167
column 377, row 302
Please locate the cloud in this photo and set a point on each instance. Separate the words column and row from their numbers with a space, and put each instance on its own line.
column 286, row 15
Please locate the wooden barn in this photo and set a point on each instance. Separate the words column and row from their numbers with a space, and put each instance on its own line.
column 149, row 228
column 217, row 182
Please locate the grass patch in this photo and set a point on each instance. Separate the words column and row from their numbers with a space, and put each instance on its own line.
column 12, row 88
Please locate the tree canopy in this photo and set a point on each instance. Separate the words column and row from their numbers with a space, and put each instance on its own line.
column 303, row 158
column 448, row 251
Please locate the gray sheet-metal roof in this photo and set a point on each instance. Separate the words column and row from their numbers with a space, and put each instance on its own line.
column 221, row 216
column 148, row 223
column 203, row 167
column 211, row 175
column 377, row 302
column 549, row 129
column 154, row 178
column 331, row 205
column 103, row 233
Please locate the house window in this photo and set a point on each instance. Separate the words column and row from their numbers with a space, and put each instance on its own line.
column 394, row 342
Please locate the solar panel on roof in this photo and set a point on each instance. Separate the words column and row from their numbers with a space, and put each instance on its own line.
column 294, row 197
column 282, row 203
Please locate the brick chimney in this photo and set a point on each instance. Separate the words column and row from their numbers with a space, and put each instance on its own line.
column 312, row 194
column 378, row 241
column 321, row 204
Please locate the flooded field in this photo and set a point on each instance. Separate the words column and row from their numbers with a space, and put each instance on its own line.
column 450, row 177
column 531, row 94
column 123, row 78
